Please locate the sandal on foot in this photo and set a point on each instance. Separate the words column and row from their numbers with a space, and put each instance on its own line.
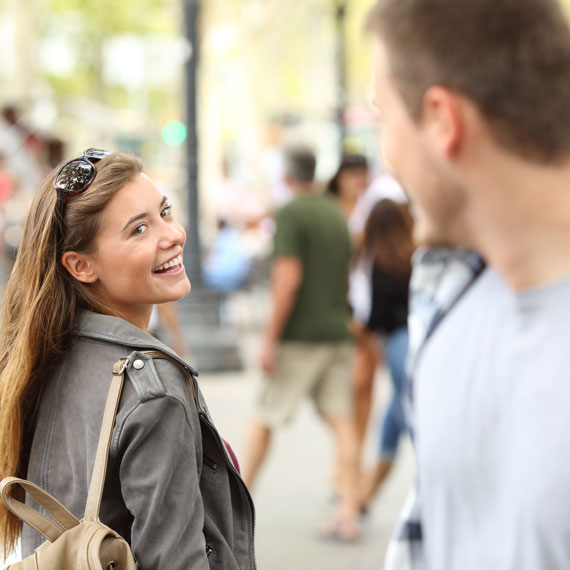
column 342, row 530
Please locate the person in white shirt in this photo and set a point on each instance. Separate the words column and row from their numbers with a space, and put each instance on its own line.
column 473, row 99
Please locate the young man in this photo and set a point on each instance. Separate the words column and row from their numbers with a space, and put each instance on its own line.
column 474, row 99
column 306, row 350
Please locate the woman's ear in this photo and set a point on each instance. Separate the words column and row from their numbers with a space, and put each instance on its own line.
column 80, row 267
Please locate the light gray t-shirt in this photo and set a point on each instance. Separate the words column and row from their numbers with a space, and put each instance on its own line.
column 492, row 412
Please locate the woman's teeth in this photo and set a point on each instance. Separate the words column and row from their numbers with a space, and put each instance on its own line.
column 173, row 263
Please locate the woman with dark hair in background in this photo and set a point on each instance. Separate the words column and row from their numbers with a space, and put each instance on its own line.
column 348, row 185
column 388, row 244
column 349, row 182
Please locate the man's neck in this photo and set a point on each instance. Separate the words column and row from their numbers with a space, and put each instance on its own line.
column 302, row 188
column 520, row 220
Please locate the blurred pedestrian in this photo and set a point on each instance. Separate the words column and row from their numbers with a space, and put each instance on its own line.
column 15, row 211
column 476, row 124
column 382, row 186
column 347, row 186
column 6, row 182
column 389, row 245
column 273, row 164
column 306, row 350
column 165, row 325
column 101, row 246
column 227, row 266
column 349, row 182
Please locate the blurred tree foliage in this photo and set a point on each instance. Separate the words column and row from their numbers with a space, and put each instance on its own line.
column 112, row 17
column 293, row 47
column 280, row 33
column 87, row 24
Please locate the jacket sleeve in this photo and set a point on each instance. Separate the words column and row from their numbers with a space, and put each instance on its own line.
column 160, row 487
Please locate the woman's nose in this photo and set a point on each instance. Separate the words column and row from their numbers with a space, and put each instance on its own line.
column 172, row 234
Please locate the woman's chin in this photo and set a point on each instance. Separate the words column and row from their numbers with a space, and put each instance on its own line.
column 185, row 288
column 175, row 293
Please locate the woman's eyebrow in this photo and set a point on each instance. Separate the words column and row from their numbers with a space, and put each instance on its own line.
column 134, row 219
column 142, row 215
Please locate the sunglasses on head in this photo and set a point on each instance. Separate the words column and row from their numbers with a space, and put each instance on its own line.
column 75, row 176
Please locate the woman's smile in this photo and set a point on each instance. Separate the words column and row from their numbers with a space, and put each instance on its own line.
column 174, row 265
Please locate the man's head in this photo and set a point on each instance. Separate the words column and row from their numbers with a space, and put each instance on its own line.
column 447, row 71
column 300, row 165
column 510, row 57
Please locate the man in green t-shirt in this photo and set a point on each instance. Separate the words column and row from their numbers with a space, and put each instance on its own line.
column 307, row 349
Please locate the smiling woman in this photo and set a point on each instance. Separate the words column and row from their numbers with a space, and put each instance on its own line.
column 138, row 236
column 101, row 247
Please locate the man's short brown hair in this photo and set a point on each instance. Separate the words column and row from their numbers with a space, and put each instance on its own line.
column 511, row 58
column 300, row 164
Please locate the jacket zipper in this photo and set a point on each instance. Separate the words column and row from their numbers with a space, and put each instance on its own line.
column 232, row 467
column 209, row 462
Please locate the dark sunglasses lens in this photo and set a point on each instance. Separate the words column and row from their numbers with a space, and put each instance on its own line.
column 75, row 176
column 96, row 154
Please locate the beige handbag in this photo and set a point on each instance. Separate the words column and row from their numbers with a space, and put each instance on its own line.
column 85, row 544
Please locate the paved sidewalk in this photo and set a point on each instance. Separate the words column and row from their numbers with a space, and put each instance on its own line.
column 292, row 496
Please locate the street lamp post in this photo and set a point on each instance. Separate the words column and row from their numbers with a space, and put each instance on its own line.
column 213, row 346
column 193, row 245
column 340, row 52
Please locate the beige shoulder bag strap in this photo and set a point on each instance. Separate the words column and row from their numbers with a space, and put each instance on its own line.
column 101, row 458
column 164, row 356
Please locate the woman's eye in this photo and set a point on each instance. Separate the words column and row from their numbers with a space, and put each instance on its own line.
column 166, row 211
column 139, row 230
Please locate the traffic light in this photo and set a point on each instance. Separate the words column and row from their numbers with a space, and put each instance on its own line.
column 174, row 133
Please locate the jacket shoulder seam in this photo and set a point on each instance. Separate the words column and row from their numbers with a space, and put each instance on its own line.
column 121, row 424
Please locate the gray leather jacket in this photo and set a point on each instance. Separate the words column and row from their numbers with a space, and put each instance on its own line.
column 172, row 489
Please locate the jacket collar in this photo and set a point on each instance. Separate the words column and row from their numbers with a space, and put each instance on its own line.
column 119, row 331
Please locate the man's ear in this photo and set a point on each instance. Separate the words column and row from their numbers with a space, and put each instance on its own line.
column 80, row 267
column 443, row 116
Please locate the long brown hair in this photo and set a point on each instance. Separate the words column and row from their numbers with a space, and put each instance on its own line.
column 388, row 238
column 40, row 306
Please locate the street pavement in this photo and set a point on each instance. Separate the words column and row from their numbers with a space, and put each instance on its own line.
column 293, row 492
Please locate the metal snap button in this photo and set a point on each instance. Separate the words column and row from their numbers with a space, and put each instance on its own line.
column 138, row 364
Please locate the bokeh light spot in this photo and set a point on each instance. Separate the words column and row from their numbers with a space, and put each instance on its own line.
column 174, row 133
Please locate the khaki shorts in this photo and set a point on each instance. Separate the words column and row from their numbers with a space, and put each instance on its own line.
column 321, row 371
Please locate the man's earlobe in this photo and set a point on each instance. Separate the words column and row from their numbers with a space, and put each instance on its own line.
column 79, row 266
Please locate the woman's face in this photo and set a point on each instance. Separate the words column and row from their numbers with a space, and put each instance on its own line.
column 352, row 182
column 138, row 252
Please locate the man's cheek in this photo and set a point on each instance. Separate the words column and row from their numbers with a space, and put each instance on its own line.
column 386, row 151
column 389, row 153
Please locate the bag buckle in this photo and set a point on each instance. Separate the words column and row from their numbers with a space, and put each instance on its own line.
column 123, row 368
